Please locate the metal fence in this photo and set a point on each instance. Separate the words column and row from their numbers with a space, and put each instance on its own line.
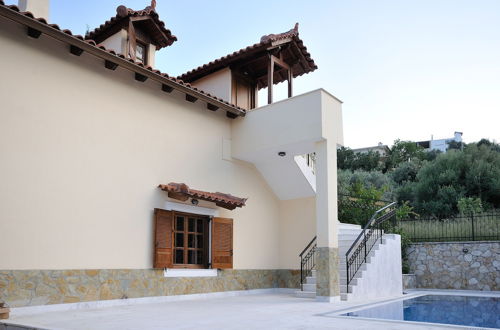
column 475, row 227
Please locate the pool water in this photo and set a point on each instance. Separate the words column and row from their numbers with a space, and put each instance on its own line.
column 457, row 310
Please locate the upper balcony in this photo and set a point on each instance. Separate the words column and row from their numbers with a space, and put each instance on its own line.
column 239, row 76
column 292, row 126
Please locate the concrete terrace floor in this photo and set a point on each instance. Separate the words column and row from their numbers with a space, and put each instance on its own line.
column 259, row 311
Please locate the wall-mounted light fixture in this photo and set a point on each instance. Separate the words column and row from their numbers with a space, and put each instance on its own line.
column 282, row 154
column 194, row 202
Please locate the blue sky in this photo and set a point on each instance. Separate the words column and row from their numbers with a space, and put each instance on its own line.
column 404, row 69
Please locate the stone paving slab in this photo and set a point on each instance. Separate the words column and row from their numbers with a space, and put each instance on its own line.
column 260, row 311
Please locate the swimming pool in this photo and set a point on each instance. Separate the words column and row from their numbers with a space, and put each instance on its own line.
column 447, row 309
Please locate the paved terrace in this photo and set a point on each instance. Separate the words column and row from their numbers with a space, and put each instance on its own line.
column 256, row 311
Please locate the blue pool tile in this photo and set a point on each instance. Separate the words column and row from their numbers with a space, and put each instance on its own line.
column 458, row 310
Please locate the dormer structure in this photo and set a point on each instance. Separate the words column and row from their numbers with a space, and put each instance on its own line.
column 136, row 34
column 237, row 77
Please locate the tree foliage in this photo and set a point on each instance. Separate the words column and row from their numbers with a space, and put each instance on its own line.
column 359, row 205
column 432, row 183
column 469, row 205
column 348, row 159
column 403, row 151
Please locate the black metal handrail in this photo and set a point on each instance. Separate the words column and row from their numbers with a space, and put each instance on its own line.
column 358, row 252
column 307, row 261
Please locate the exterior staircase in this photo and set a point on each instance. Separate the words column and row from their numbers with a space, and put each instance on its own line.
column 381, row 265
column 347, row 234
column 309, row 287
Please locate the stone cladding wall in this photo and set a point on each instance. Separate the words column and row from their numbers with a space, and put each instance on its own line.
column 456, row 265
column 409, row 281
column 19, row 288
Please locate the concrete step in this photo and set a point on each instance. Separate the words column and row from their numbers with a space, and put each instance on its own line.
column 343, row 281
column 348, row 242
column 311, row 280
column 350, row 232
column 370, row 255
column 344, row 296
column 342, row 263
column 305, row 294
column 349, row 227
column 343, row 272
column 343, row 288
column 346, row 236
column 344, row 246
column 344, row 226
column 309, row 287
column 313, row 273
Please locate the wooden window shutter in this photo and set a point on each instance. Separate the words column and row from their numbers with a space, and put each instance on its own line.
column 222, row 243
column 163, row 255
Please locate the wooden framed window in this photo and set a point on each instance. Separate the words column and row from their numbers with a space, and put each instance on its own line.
column 190, row 240
column 141, row 52
column 182, row 241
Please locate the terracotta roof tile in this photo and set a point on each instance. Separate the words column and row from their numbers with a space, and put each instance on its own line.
column 179, row 190
column 121, row 56
column 123, row 12
column 265, row 41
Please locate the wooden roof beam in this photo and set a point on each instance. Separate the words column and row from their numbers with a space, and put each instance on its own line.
column 270, row 79
column 212, row 107
column 278, row 43
column 167, row 88
column 140, row 77
column 34, row 33
column 302, row 60
column 75, row 50
column 110, row 65
column 280, row 62
column 191, row 98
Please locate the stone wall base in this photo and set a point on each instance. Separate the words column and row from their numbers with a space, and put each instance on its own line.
column 327, row 272
column 20, row 288
column 409, row 281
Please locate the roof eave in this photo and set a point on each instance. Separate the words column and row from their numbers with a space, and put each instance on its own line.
column 65, row 36
column 228, row 60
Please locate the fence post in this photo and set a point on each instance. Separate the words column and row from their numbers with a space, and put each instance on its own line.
column 472, row 223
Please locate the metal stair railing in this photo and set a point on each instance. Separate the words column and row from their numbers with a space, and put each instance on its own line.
column 307, row 261
column 358, row 252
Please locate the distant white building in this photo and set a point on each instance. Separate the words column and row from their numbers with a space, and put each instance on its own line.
column 441, row 144
column 381, row 149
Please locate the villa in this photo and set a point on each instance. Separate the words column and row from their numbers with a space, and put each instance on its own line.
column 441, row 144
column 122, row 182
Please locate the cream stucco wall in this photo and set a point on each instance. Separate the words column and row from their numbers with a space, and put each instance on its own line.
column 39, row 8
column 217, row 83
column 298, row 227
column 117, row 42
column 82, row 151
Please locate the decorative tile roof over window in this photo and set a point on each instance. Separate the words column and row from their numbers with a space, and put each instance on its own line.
column 181, row 191
column 147, row 19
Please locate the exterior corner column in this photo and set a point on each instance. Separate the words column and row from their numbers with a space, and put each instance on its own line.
column 327, row 224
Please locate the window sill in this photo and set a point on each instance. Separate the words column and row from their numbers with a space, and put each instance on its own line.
column 175, row 272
